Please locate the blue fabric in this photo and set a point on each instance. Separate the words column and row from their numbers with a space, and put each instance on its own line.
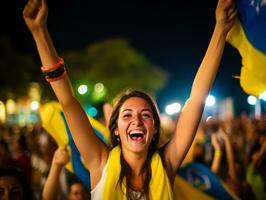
column 201, row 177
column 252, row 16
column 79, row 169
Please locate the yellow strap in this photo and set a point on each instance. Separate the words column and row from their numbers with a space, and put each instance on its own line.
column 159, row 186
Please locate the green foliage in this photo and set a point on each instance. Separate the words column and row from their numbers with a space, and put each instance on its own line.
column 117, row 65
column 16, row 70
column 112, row 62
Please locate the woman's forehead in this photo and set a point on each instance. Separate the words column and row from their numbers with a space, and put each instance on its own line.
column 135, row 103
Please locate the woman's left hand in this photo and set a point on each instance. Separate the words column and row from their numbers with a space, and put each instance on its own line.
column 226, row 13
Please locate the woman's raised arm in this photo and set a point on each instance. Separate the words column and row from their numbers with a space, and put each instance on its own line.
column 91, row 148
column 191, row 113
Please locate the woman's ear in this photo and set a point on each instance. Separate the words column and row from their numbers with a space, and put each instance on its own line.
column 155, row 131
column 107, row 112
column 116, row 132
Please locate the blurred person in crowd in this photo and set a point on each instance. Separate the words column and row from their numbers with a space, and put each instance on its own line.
column 6, row 134
column 210, row 128
column 168, row 128
column 77, row 191
column 250, row 132
column 261, row 124
column 256, row 171
column 197, row 150
column 41, row 159
column 236, row 176
column 199, row 153
column 238, row 139
column 14, row 185
column 216, row 162
column 5, row 156
column 20, row 155
column 51, row 188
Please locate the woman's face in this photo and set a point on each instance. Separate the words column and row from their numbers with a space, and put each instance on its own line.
column 135, row 126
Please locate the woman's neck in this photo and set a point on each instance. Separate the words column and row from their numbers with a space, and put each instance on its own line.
column 135, row 161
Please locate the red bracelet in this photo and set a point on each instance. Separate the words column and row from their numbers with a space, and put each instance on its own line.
column 57, row 78
column 55, row 72
column 58, row 64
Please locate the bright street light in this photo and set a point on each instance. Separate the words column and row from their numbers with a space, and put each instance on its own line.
column 99, row 87
column 82, row 89
column 34, row 105
column 252, row 100
column 210, row 101
column 173, row 108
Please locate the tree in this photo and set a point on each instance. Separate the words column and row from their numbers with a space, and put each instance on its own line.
column 117, row 65
column 16, row 70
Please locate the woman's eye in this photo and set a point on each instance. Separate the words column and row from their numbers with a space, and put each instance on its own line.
column 146, row 115
column 126, row 116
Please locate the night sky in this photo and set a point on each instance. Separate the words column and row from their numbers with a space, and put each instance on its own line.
column 172, row 34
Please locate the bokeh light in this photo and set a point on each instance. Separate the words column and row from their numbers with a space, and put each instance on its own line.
column 82, row 89
column 210, row 100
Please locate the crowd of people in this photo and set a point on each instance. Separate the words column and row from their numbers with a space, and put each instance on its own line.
column 29, row 155
column 237, row 156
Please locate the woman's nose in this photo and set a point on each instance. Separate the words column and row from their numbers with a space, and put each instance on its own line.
column 137, row 120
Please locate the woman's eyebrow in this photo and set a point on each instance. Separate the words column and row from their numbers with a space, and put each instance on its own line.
column 126, row 110
column 146, row 109
column 143, row 110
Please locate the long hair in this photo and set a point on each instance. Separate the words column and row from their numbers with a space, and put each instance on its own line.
column 125, row 168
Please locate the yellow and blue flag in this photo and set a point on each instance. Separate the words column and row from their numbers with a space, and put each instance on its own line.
column 201, row 177
column 54, row 122
column 248, row 36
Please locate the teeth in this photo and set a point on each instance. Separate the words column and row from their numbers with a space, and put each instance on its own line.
column 136, row 134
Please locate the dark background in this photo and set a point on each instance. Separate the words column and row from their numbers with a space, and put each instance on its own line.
column 172, row 34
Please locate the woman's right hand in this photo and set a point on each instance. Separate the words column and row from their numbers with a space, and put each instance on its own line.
column 35, row 14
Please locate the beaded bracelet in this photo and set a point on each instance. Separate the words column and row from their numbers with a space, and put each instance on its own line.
column 54, row 72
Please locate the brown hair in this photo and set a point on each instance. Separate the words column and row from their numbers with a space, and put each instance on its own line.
column 125, row 168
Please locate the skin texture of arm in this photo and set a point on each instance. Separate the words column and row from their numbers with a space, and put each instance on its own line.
column 60, row 159
column 35, row 17
column 191, row 113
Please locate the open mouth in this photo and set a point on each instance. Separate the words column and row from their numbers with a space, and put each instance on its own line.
column 136, row 136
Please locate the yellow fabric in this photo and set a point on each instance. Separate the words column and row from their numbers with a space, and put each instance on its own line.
column 160, row 187
column 199, row 138
column 53, row 123
column 185, row 191
column 253, row 74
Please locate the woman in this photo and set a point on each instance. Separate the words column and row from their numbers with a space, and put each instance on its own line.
column 134, row 169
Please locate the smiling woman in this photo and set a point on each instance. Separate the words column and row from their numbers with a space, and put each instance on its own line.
column 135, row 123
column 134, row 167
